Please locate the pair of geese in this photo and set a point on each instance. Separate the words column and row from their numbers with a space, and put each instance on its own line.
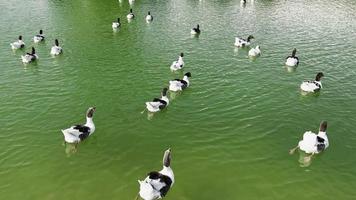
column 32, row 56
column 131, row 16
column 240, row 42
column 158, row 104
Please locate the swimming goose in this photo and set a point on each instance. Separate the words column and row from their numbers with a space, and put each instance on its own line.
column 149, row 17
column 158, row 104
column 313, row 86
column 38, row 38
column 117, row 24
column 157, row 184
column 314, row 143
column 19, row 44
column 254, row 51
column 130, row 15
column 239, row 42
column 292, row 60
column 178, row 64
column 195, row 31
column 56, row 49
column 78, row 133
column 29, row 57
column 180, row 84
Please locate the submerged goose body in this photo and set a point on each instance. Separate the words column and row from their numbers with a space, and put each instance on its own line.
column 116, row 24
column 39, row 38
column 56, row 49
column 178, row 64
column 130, row 15
column 149, row 17
column 157, row 184
column 195, row 31
column 29, row 57
column 158, row 104
column 254, row 52
column 78, row 133
column 315, row 143
column 314, row 85
column 179, row 84
column 19, row 44
column 292, row 61
column 240, row 42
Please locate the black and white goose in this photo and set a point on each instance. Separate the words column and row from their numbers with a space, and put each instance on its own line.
column 240, row 42
column 158, row 104
column 149, row 17
column 29, row 57
column 130, row 15
column 116, row 25
column 178, row 64
column 157, row 184
column 195, row 31
column 180, row 84
column 19, row 44
column 292, row 61
column 78, row 133
column 38, row 38
column 314, row 85
column 56, row 49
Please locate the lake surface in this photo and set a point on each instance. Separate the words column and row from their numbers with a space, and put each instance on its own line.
column 230, row 132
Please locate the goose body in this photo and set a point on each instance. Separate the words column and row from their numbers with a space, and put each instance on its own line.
column 29, row 57
column 116, row 25
column 19, row 44
column 130, row 15
column 78, row 133
column 254, row 52
column 158, row 104
column 292, row 61
column 39, row 38
column 178, row 64
column 56, row 49
column 314, row 143
column 240, row 42
column 195, row 31
column 157, row 184
column 179, row 84
column 149, row 17
column 314, row 85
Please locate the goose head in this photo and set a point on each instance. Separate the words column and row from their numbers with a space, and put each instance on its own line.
column 56, row 42
column 20, row 37
column 198, row 26
column 41, row 32
column 258, row 47
column 323, row 126
column 167, row 157
column 319, row 76
column 33, row 52
column 131, row 10
column 164, row 92
column 118, row 20
column 181, row 55
column 250, row 37
column 188, row 74
column 90, row 112
column 149, row 13
column 294, row 52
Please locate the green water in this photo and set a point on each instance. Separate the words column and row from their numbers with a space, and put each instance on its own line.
column 230, row 132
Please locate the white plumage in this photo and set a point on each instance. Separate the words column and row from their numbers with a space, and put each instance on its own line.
column 240, row 42
column 19, row 44
column 178, row 64
column 56, row 49
column 40, row 37
column 158, row 104
column 314, row 143
column 116, row 24
column 29, row 57
column 130, row 15
column 179, row 84
column 312, row 86
column 254, row 52
column 292, row 61
column 149, row 17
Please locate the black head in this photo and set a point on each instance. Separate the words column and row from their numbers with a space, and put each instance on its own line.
column 164, row 92
column 56, row 42
column 33, row 50
column 149, row 13
column 188, row 74
column 91, row 111
column 294, row 52
column 323, row 126
column 167, row 158
column 319, row 76
column 250, row 37
column 118, row 19
column 20, row 37
column 198, row 26
column 131, row 10
column 41, row 31
column 181, row 54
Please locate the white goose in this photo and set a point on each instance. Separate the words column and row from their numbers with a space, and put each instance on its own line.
column 254, row 51
column 195, row 31
column 157, row 184
column 239, row 42
column 158, row 104
column 149, row 17
column 179, row 84
column 116, row 25
column 313, row 86
column 30, row 57
column 178, row 64
column 38, row 38
column 78, row 133
column 19, row 44
column 130, row 15
column 314, row 143
column 56, row 49
column 292, row 61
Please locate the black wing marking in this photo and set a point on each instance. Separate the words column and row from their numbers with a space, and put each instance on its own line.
column 82, row 128
column 168, row 182
column 154, row 175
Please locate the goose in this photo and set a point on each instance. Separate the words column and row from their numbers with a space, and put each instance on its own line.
column 149, row 17
column 29, row 57
column 157, row 184
column 180, row 84
column 19, row 44
column 195, row 31
column 56, row 49
column 116, row 24
column 78, row 133
column 243, row 1
column 239, row 42
column 313, row 143
column 313, row 86
column 38, row 38
column 254, row 51
column 178, row 64
column 158, row 104
column 130, row 15
column 292, row 61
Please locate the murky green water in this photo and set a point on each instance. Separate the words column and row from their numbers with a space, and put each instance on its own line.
column 230, row 132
